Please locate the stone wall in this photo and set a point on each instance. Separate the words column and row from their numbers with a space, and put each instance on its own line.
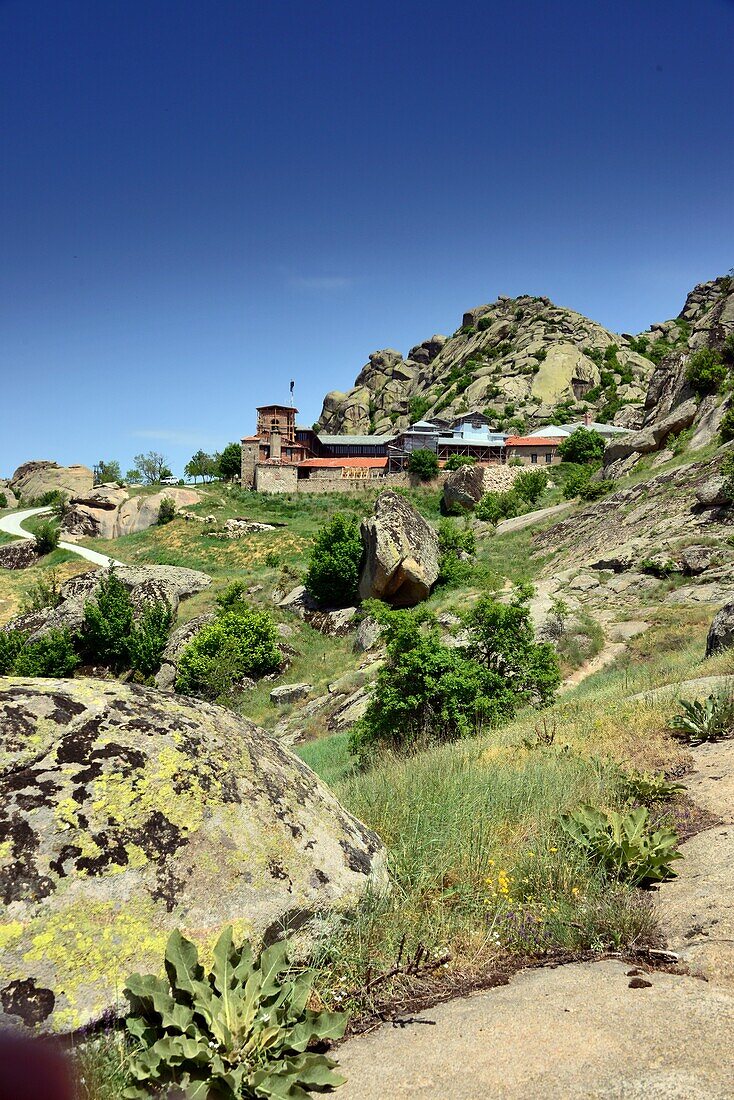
column 284, row 479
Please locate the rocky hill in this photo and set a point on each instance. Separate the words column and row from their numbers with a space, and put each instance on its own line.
column 524, row 361
column 521, row 360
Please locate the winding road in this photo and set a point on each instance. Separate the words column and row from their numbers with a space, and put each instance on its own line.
column 13, row 525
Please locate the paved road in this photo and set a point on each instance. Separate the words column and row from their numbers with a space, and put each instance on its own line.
column 13, row 525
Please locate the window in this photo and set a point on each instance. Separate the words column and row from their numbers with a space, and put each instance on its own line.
column 534, row 459
column 548, row 458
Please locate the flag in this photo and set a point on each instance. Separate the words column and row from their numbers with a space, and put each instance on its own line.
column 292, row 385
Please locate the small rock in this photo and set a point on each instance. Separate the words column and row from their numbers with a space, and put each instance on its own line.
column 290, row 693
column 584, row 583
column 334, row 624
column 721, row 631
column 298, row 601
column 712, row 493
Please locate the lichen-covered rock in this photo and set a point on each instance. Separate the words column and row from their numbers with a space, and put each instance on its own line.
column 33, row 479
column 125, row 813
column 145, row 583
column 289, row 693
column 721, row 631
column 401, row 561
column 18, row 555
column 713, row 493
column 465, row 487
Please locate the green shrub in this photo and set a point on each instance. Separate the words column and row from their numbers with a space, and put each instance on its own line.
column 494, row 507
column 427, row 691
column 417, row 408
column 726, row 427
column 240, row 643
column 727, row 351
column 423, row 464
column 705, row 371
column 453, row 537
column 454, row 541
column 149, row 638
column 705, row 721
column 623, row 845
column 333, row 571
column 242, row 1030
column 11, row 645
column 272, row 559
column 108, row 624
column 3, row 500
column 584, row 446
column 455, row 462
column 47, row 537
column 595, row 490
column 233, row 597
column 51, row 655
column 530, row 485
column 166, row 511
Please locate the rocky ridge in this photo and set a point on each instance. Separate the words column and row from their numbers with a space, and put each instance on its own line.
column 517, row 357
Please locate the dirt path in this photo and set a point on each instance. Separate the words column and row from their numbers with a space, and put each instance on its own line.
column 582, row 1031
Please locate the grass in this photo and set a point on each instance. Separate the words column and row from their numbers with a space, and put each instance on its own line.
column 14, row 583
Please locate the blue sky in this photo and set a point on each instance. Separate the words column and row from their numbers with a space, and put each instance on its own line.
column 202, row 200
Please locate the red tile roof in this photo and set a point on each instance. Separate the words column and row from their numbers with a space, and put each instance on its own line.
column 531, row 441
column 335, row 463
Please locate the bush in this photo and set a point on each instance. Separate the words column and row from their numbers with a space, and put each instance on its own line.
column 43, row 592
column 705, row 721
column 427, row 691
column 530, row 485
column 705, row 371
column 51, row 655
column 726, row 427
column 423, row 464
column 149, row 638
column 623, row 845
column 453, row 542
column 240, row 643
column 242, row 1030
column 494, row 507
column 455, row 462
column 166, row 511
column 3, row 500
column 47, row 537
column 11, row 645
column 595, row 490
column 648, row 788
column 108, row 624
column 583, row 445
column 333, row 572
column 233, row 597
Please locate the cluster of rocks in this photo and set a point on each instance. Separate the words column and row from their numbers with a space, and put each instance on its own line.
column 144, row 583
column 127, row 809
column 525, row 351
column 239, row 526
column 109, row 511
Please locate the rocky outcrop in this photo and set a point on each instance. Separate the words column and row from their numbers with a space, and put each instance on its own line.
column 289, row 693
column 18, row 555
column 7, row 492
column 721, row 631
column 109, row 512
column 145, row 583
column 401, row 561
column 127, row 813
column 652, row 437
column 165, row 679
column 33, row 480
column 522, row 351
column 465, row 487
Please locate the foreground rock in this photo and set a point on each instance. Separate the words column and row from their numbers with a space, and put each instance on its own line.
column 721, row 631
column 127, row 813
column 465, row 487
column 109, row 512
column 18, row 555
column 145, row 583
column 592, row 1037
column 34, row 479
column 401, row 554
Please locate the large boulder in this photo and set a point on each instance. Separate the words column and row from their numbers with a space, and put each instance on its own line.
column 465, row 487
column 145, row 583
column 109, row 512
column 721, row 631
column 401, row 560
column 34, row 479
column 126, row 813
column 10, row 497
column 19, row 555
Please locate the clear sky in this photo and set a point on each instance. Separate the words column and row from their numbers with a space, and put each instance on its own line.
column 202, row 199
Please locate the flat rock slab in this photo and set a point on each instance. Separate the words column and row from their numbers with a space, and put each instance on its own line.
column 578, row 1031
column 518, row 523
column 684, row 689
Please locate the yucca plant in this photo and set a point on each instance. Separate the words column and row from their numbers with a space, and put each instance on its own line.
column 707, row 720
column 623, row 843
column 240, row 1031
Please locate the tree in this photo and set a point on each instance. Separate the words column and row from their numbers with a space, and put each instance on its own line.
column 240, row 643
column 202, row 465
column 502, row 639
column 583, row 445
column 531, row 484
column 230, row 462
column 336, row 556
column 133, row 477
column 705, row 371
column 726, row 427
column 424, row 464
column 108, row 471
column 455, row 462
column 152, row 467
